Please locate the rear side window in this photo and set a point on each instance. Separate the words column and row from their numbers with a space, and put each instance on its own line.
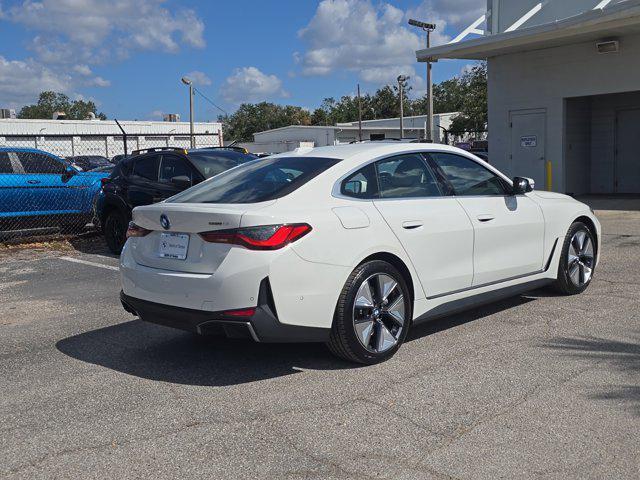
column 406, row 176
column 5, row 163
column 212, row 163
column 146, row 167
column 39, row 163
column 173, row 166
column 362, row 184
column 257, row 181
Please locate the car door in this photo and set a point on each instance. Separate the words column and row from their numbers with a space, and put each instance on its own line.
column 509, row 230
column 433, row 229
column 51, row 188
column 172, row 166
column 142, row 181
column 13, row 195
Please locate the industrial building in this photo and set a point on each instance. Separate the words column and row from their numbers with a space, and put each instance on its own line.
column 103, row 137
column 564, row 90
column 288, row 138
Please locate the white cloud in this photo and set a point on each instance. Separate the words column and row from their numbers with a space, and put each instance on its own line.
column 138, row 24
column 22, row 81
column 70, row 36
column 83, row 70
column 199, row 78
column 248, row 84
column 374, row 40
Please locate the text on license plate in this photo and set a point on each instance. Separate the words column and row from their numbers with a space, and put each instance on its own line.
column 173, row 245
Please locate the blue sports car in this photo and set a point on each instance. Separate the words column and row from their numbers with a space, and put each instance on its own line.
column 38, row 189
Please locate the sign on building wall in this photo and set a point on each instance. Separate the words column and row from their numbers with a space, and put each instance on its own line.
column 529, row 141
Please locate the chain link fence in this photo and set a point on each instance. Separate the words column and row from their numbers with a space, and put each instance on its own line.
column 49, row 184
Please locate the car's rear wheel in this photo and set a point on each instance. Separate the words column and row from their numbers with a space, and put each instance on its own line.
column 115, row 230
column 373, row 314
column 577, row 263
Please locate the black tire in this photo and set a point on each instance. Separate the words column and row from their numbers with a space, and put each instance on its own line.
column 344, row 342
column 115, row 230
column 572, row 271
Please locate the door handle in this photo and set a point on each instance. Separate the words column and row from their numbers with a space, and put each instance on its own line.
column 486, row 218
column 412, row 225
column 33, row 182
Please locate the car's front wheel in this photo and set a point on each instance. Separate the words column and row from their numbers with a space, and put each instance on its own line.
column 373, row 314
column 578, row 260
column 115, row 230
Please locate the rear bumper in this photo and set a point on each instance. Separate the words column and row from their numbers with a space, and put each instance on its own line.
column 263, row 326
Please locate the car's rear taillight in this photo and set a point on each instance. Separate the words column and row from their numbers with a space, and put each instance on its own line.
column 104, row 181
column 136, row 231
column 266, row 237
column 243, row 312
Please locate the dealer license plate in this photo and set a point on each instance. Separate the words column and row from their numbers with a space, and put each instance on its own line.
column 173, row 245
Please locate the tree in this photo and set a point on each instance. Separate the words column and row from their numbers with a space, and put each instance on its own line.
column 50, row 102
column 251, row 118
column 473, row 112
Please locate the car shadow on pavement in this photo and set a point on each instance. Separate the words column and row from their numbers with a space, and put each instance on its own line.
column 623, row 356
column 159, row 353
column 164, row 354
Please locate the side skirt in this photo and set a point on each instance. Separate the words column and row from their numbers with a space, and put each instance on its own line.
column 466, row 303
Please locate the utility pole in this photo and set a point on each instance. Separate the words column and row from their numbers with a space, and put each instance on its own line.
column 359, row 114
column 428, row 28
column 401, row 80
column 189, row 83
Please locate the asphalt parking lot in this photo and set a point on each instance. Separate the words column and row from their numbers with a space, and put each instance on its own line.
column 537, row 386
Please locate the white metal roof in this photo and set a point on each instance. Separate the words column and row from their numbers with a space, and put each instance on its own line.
column 615, row 20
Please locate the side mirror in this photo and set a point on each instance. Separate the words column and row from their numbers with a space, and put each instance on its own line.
column 522, row 185
column 181, row 181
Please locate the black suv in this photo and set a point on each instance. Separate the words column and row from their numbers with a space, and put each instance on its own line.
column 153, row 175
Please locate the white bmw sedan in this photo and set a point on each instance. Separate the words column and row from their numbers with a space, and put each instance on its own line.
column 350, row 245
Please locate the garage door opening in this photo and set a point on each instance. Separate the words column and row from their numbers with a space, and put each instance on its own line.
column 602, row 144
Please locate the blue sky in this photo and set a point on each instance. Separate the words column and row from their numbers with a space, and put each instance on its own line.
column 129, row 55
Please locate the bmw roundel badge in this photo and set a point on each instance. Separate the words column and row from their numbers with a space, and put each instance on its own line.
column 164, row 221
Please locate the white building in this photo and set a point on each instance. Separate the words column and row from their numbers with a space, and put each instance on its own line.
column 103, row 137
column 564, row 90
column 289, row 138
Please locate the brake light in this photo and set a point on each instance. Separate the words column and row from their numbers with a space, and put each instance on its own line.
column 136, row 231
column 266, row 237
column 243, row 312
column 104, row 181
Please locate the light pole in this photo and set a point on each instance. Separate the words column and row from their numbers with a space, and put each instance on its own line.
column 401, row 80
column 189, row 83
column 427, row 27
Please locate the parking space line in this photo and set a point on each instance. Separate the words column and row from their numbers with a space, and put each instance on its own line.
column 86, row 262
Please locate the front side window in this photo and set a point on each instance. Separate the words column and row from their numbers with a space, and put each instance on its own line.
column 172, row 166
column 468, row 178
column 257, row 181
column 406, row 176
column 361, row 184
column 41, row 164
column 146, row 167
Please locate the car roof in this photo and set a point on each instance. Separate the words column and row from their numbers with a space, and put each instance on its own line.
column 373, row 149
column 26, row 150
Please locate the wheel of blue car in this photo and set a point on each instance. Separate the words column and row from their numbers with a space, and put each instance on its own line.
column 115, row 230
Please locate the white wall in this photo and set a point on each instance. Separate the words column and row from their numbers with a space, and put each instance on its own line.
column 505, row 13
column 543, row 79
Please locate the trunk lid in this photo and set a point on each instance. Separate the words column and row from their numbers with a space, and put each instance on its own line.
column 175, row 228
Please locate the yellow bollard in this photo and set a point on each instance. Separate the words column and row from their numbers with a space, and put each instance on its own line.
column 549, row 173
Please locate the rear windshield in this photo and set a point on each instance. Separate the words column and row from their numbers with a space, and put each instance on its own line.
column 212, row 163
column 257, row 181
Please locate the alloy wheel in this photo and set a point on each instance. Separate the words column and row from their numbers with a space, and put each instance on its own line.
column 580, row 259
column 379, row 313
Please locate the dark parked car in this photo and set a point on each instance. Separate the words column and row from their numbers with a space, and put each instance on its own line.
column 153, row 175
column 117, row 158
column 89, row 162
